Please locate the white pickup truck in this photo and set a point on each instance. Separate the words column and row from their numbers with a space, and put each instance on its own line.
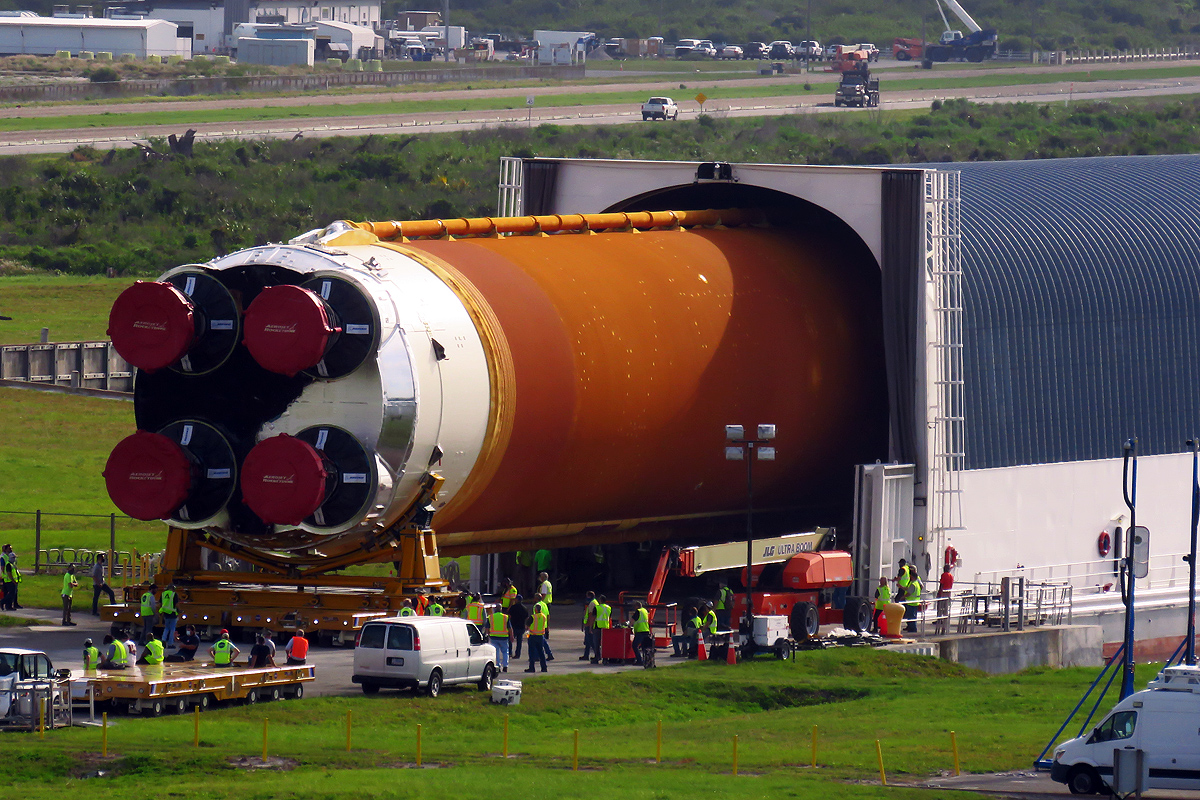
column 659, row 108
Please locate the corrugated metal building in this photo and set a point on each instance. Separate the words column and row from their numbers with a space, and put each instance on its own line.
column 44, row 36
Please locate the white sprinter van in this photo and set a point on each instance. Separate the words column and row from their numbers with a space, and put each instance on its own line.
column 422, row 653
column 1163, row 721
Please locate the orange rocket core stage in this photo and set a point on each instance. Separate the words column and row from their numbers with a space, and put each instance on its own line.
column 630, row 352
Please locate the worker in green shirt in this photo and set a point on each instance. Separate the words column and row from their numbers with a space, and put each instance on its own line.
column 68, row 590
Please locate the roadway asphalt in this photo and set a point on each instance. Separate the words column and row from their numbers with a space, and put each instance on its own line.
column 1027, row 785
column 334, row 665
column 895, row 97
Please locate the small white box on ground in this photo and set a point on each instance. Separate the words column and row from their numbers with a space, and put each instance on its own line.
column 770, row 629
column 506, row 693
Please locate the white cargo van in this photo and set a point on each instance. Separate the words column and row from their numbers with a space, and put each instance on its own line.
column 1163, row 721
column 422, row 653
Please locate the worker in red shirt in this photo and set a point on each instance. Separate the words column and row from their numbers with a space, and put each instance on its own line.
column 945, row 585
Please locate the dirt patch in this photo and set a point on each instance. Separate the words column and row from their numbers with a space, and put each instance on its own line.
column 254, row 763
column 94, row 765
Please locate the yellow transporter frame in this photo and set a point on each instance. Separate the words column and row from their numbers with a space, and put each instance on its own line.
column 285, row 592
column 154, row 689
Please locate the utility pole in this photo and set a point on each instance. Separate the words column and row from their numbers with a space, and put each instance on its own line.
column 739, row 447
column 446, row 27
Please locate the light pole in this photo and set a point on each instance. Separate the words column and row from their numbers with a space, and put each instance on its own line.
column 1190, row 657
column 740, row 448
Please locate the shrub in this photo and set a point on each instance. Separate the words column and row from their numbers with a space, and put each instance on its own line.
column 104, row 75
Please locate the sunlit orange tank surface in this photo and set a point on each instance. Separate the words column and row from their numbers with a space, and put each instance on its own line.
column 552, row 373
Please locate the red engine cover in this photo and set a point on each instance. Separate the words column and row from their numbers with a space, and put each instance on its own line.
column 283, row 480
column 152, row 325
column 148, row 476
column 287, row 329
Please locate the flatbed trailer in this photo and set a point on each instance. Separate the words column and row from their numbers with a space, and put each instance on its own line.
column 176, row 687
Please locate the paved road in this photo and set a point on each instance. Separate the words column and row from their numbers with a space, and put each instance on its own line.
column 1029, row 785
column 419, row 123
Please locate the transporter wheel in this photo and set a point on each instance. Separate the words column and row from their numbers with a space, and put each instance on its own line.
column 1084, row 780
column 781, row 649
column 251, row 697
column 203, row 702
column 804, row 621
column 434, row 687
column 485, row 681
column 273, row 694
column 368, row 688
column 298, row 691
column 179, row 705
column 856, row 616
column 152, row 708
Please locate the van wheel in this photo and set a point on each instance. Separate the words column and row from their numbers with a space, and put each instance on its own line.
column 485, row 680
column 434, row 687
column 1083, row 780
column 368, row 688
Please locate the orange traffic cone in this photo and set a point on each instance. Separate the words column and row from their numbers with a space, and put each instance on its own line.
column 701, row 653
column 730, row 654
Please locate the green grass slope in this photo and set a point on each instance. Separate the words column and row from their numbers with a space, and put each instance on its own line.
column 88, row 212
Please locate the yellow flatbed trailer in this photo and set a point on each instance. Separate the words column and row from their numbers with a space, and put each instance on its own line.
column 177, row 686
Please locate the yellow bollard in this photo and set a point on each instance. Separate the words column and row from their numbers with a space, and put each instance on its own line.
column 954, row 747
column 264, row 740
column 575, row 755
column 879, row 754
column 418, row 744
column 42, row 718
column 506, row 735
column 814, row 747
column 348, row 723
column 104, row 734
column 735, row 740
column 195, row 726
column 658, row 745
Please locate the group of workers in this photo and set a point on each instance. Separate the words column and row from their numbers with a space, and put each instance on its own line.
column 908, row 593
column 121, row 652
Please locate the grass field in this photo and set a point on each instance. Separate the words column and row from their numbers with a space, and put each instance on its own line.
column 73, row 308
column 910, row 82
column 852, row 696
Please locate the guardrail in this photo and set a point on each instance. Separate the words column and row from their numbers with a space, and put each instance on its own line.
column 1006, row 604
column 1118, row 56
column 78, row 365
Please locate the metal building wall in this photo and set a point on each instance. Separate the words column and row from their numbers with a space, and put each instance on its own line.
column 1081, row 321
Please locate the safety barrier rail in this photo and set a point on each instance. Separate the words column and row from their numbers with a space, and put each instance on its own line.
column 1166, row 571
column 1007, row 604
column 1117, row 56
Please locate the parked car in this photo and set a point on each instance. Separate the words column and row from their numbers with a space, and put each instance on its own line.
column 685, row 47
column 832, row 51
column 872, row 50
column 660, row 108
column 781, row 49
column 707, row 47
column 756, row 50
column 422, row 653
column 730, row 51
column 809, row 50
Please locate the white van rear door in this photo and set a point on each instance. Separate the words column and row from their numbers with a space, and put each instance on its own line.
column 402, row 661
column 369, row 654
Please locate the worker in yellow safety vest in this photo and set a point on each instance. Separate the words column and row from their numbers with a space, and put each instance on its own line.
column 508, row 594
column 11, row 578
column 588, row 624
column 113, row 655
column 435, row 608
column 908, row 593
column 91, row 656
column 603, row 623
column 500, row 634
column 406, row 609
column 537, row 638
column 883, row 596
column 153, row 654
column 474, row 610
column 169, row 609
column 223, row 651
column 149, row 609
column 642, row 639
column 724, row 606
column 541, row 603
column 708, row 620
